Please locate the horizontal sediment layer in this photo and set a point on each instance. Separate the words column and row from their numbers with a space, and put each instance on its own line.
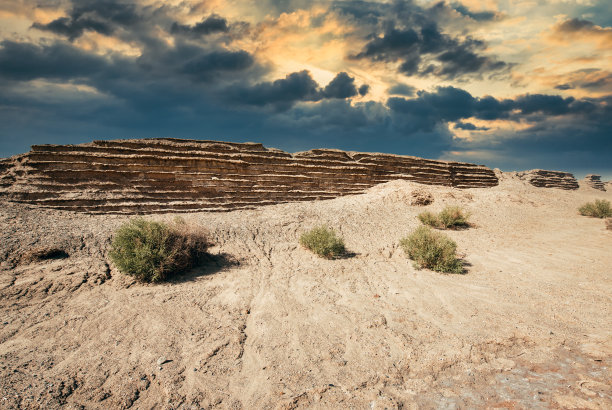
column 594, row 181
column 173, row 175
column 550, row 179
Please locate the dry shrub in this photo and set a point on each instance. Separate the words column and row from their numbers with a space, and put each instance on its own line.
column 323, row 242
column 152, row 251
column 451, row 217
column 432, row 250
column 429, row 219
column 598, row 209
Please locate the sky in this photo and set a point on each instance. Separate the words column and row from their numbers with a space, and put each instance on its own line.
column 512, row 84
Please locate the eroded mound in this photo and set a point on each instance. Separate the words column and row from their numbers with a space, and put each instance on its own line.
column 264, row 323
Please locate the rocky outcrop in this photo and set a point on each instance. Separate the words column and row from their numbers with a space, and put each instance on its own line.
column 549, row 179
column 173, row 175
column 594, row 181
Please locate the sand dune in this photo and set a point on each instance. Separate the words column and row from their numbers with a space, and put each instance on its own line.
column 266, row 324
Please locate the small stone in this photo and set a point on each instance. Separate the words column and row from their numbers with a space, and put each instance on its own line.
column 161, row 360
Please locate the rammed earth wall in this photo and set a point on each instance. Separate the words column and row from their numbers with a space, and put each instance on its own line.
column 173, row 175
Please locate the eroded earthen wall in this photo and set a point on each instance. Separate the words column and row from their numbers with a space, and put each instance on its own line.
column 594, row 181
column 167, row 175
column 549, row 179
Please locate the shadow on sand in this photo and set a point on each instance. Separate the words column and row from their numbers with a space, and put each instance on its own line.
column 208, row 265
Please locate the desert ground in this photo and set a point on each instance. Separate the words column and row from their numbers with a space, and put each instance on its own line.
column 264, row 323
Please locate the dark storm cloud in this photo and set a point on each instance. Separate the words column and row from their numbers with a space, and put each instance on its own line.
column 405, row 32
column 282, row 94
column 402, row 89
column 478, row 16
column 210, row 25
column 490, row 108
column 469, row 126
column 428, row 51
column 213, row 24
column 575, row 24
column 564, row 87
column 101, row 16
column 342, row 86
column 604, row 82
column 365, row 12
column 448, row 104
column 545, row 104
column 205, row 67
column 59, row 60
column 25, row 61
column 463, row 60
column 364, row 89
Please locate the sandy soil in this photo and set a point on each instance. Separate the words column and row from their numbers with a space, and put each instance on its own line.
column 266, row 324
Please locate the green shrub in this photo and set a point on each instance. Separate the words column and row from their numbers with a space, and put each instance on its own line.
column 451, row 217
column 432, row 250
column 430, row 219
column 598, row 209
column 323, row 242
column 151, row 251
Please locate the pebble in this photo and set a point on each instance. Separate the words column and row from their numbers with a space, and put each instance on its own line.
column 161, row 361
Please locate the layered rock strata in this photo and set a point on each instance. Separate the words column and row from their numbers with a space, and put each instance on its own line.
column 173, row 175
column 594, row 181
column 549, row 179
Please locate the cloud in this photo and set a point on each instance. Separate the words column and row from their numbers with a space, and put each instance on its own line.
column 342, row 86
column 544, row 104
column 477, row 16
column 101, row 16
column 427, row 51
column 282, row 93
column 469, row 126
column 450, row 104
column 364, row 89
column 296, row 87
column 212, row 24
column 63, row 61
column 402, row 89
column 207, row 66
column 417, row 38
column 573, row 25
column 574, row 28
column 26, row 61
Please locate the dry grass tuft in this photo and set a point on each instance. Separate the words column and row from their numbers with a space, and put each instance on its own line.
column 324, row 242
column 451, row 217
column 152, row 251
column 432, row 250
column 598, row 209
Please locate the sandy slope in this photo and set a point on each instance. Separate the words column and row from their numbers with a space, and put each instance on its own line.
column 266, row 324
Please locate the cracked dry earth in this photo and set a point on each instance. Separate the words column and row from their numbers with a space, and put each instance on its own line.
column 266, row 324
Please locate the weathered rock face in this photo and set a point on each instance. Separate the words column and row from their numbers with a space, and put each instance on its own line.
column 594, row 181
column 549, row 179
column 172, row 175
